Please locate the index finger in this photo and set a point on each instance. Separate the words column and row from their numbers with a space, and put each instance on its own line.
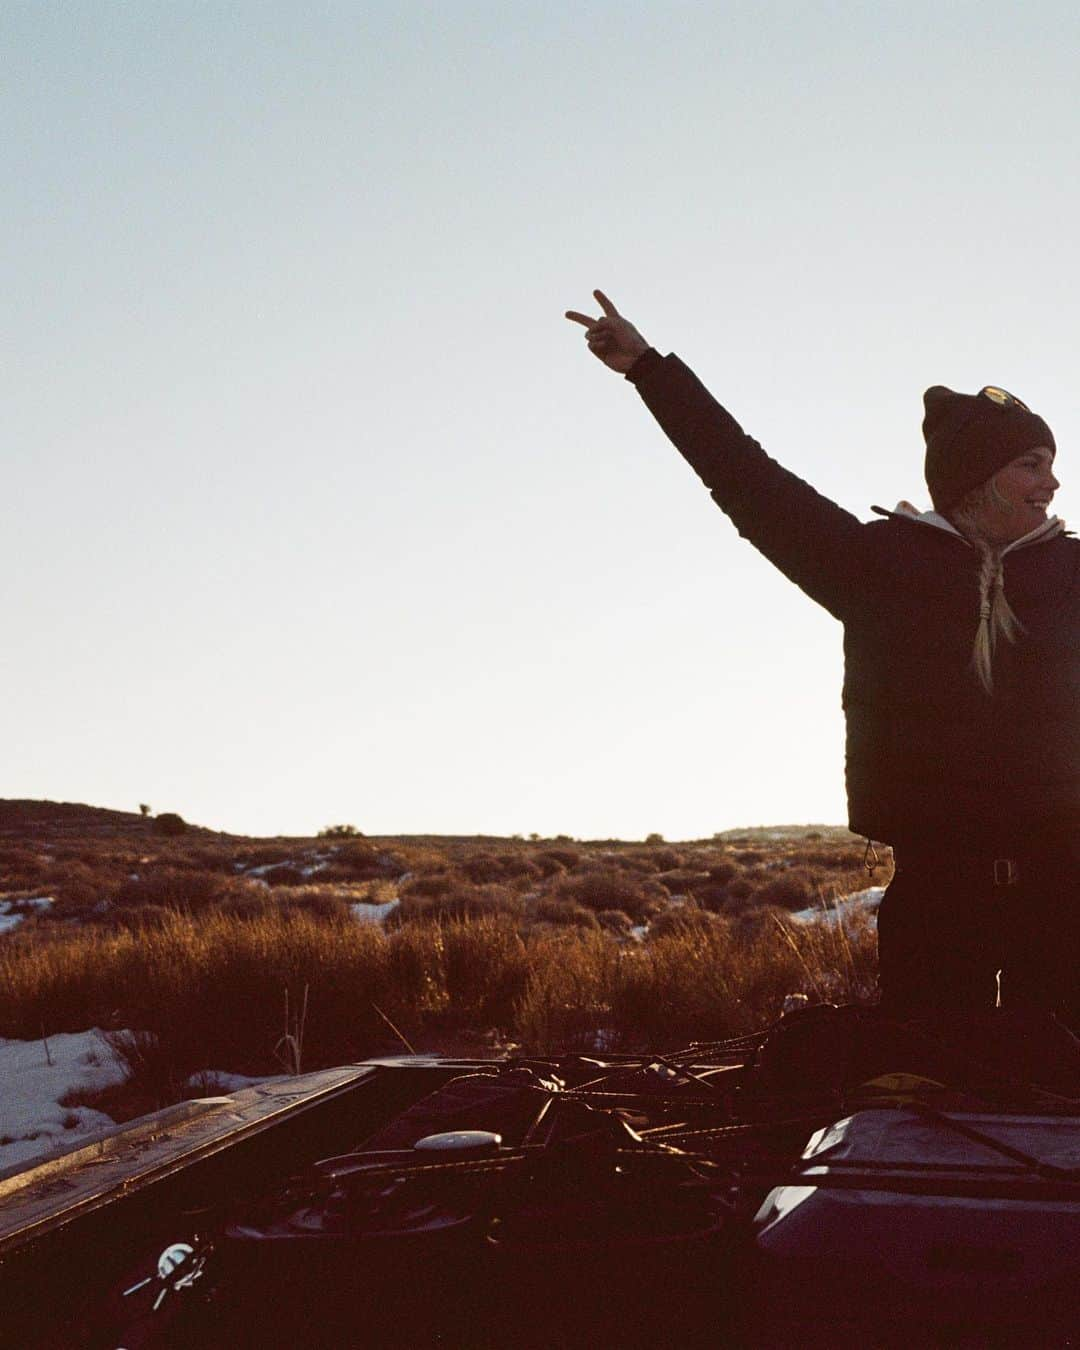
column 606, row 305
column 581, row 318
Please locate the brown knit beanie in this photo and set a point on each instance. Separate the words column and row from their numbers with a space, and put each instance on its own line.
column 969, row 437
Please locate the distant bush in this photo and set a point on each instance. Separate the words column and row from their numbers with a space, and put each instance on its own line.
column 283, row 874
column 794, row 889
column 320, row 902
column 723, row 871
column 680, row 920
column 460, row 901
column 565, row 912
column 20, row 866
column 247, row 903
column 357, row 860
column 743, row 885
column 429, row 885
column 627, row 862
column 339, row 832
column 682, row 880
column 77, row 886
column 662, row 859
column 180, row 888
column 552, row 860
column 712, row 895
column 170, row 824
column 605, row 887
column 615, row 921
column 503, row 867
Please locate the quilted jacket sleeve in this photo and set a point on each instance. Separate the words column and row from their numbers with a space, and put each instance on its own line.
column 815, row 543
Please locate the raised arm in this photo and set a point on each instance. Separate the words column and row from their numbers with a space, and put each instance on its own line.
column 817, row 544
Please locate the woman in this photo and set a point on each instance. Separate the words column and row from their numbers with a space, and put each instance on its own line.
column 961, row 682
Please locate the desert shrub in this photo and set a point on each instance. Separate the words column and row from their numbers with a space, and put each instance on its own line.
column 750, row 857
column 743, row 885
column 211, row 987
column 283, row 874
column 77, row 886
column 794, row 889
column 461, row 901
column 179, row 888
column 247, row 902
column 832, row 859
column 677, row 920
column 627, row 862
column 414, row 955
column 485, row 968
column 265, row 855
column 545, row 865
column 550, row 910
column 360, row 861
column 170, row 824
column 706, row 984
column 135, row 920
column 713, row 896
column 601, row 887
column 660, row 859
column 836, row 956
column 339, row 832
column 429, row 886
column 20, row 867
column 208, row 857
column 501, row 867
column 552, row 860
column 320, row 902
column 565, row 1002
column 615, row 921
column 723, row 871
column 154, row 1076
column 682, row 880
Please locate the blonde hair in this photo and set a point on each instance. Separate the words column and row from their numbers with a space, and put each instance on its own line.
column 996, row 618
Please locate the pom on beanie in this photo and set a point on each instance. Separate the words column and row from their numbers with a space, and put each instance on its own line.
column 969, row 437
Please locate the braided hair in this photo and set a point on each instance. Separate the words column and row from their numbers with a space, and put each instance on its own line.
column 996, row 618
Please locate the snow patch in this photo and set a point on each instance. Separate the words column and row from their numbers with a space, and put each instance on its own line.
column 12, row 912
column 366, row 912
column 867, row 900
column 32, row 1121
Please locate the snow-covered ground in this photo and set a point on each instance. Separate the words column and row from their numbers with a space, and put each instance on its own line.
column 845, row 907
column 12, row 912
column 367, row 912
column 38, row 1075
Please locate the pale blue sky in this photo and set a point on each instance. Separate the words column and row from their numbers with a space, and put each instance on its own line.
column 317, row 510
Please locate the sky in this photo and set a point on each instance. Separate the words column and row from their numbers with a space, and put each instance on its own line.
column 316, row 508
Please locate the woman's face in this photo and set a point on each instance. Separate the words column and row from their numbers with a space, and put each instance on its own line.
column 1025, row 487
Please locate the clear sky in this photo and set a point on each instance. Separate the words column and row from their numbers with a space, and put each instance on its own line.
column 316, row 509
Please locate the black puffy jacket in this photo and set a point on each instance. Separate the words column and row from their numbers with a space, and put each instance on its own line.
column 932, row 759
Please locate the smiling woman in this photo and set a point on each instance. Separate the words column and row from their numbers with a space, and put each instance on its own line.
column 962, row 672
column 1013, row 502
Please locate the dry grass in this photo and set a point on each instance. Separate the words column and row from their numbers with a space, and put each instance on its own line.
column 184, row 942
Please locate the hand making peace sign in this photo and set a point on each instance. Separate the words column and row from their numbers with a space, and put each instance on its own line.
column 612, row 338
